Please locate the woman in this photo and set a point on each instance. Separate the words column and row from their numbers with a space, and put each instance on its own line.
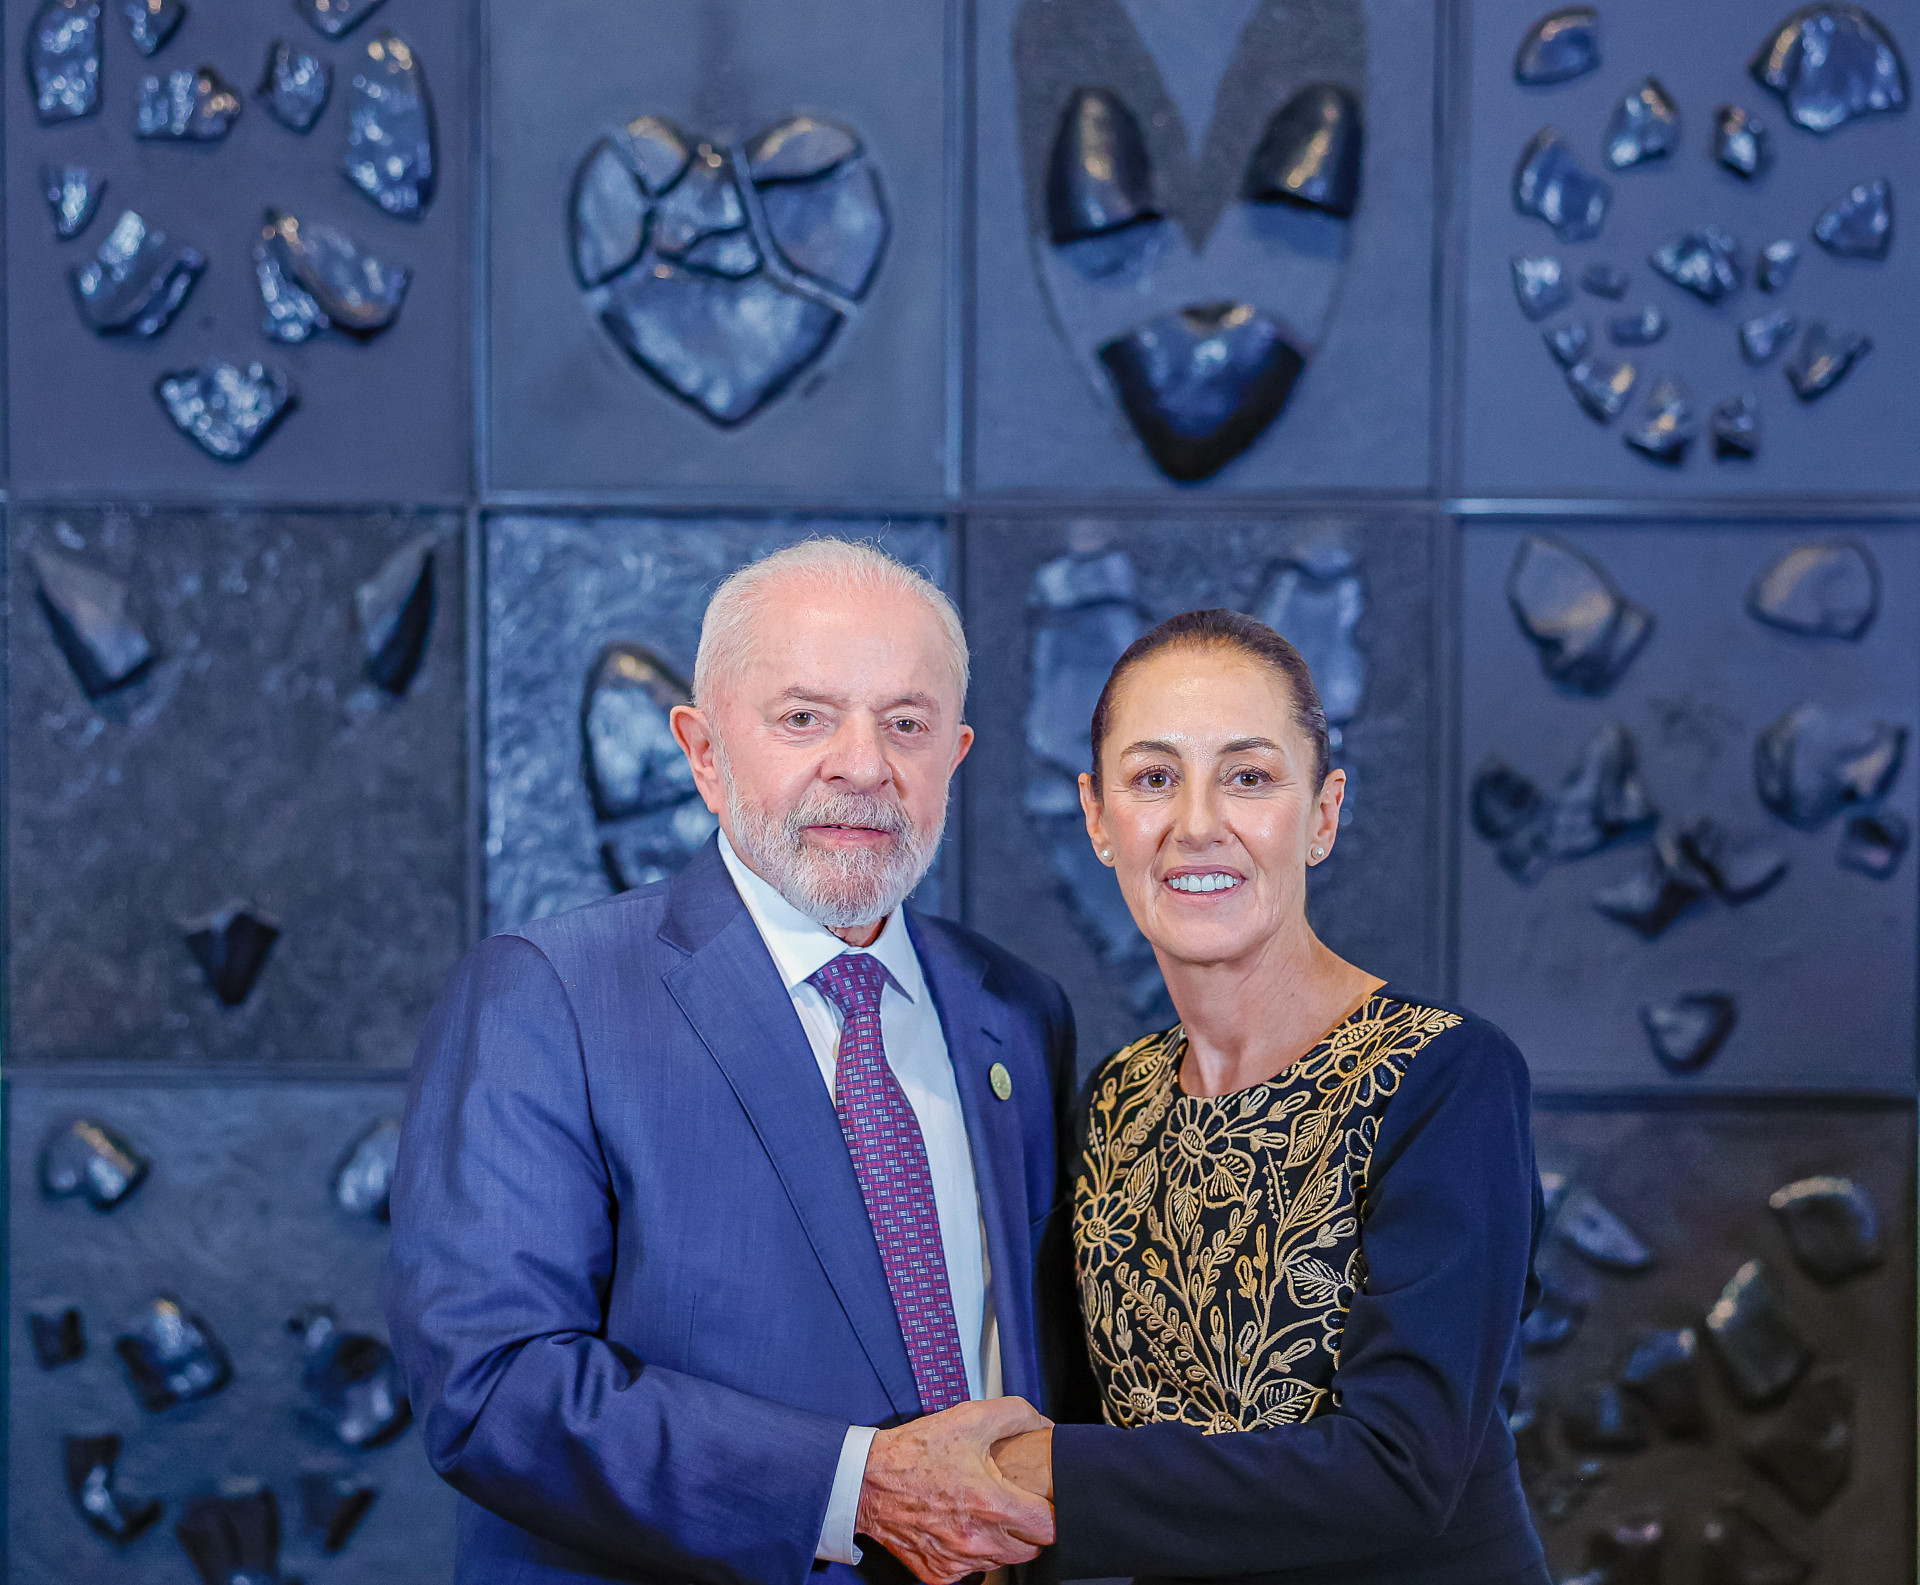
column 1304, row 1217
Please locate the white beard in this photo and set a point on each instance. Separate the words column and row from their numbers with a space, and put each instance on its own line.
column 841, row 890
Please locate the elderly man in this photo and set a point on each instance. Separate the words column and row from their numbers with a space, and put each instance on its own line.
column 714, row 1227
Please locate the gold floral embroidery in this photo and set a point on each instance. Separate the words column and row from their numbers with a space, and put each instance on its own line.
column 1217, row 1240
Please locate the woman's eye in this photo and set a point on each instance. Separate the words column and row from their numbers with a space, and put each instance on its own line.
column 1156, row 781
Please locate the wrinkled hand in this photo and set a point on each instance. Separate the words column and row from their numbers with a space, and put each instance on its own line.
column 933, row 1497
column 1027, row 1460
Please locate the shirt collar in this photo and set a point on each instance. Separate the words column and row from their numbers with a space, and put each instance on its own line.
column 801, row 946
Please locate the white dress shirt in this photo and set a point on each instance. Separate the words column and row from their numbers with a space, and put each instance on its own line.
column 917, row 1052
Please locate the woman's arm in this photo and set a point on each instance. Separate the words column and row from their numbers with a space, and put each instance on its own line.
column 1448, row 1242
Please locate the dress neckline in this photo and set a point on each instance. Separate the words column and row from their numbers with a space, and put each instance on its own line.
column 1177, row 1038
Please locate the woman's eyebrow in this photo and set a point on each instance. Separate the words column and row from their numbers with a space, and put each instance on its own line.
column 1240, row 745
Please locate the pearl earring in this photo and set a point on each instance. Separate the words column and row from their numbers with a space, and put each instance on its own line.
column 1316, row 853
column 1106, row 855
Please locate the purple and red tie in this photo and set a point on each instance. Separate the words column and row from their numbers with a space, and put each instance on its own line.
column 890, row 1160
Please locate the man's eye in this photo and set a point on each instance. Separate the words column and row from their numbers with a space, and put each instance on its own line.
column 802, row 718
column 908, row 724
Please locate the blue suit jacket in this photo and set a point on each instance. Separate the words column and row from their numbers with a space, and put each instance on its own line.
column 633, row 1285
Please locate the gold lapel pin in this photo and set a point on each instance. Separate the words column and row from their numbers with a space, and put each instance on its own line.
column 1001, row 1080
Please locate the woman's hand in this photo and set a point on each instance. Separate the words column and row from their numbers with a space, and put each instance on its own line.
column 1027, row 1460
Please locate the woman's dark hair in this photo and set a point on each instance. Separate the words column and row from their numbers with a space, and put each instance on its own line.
column 1221, row 629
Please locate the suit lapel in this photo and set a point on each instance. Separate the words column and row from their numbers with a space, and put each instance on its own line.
column 731, row 994
column 976, row 1028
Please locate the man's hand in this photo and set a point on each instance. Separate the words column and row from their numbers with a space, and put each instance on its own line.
column 934, row 1499
column 1027, row 1460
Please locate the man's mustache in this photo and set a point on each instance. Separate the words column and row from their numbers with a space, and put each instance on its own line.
column 859, row 810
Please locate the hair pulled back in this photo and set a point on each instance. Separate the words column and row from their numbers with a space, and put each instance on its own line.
column 1231, row 630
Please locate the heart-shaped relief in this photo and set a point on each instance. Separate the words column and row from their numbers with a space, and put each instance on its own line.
column 725, row 272
column 1194, row 289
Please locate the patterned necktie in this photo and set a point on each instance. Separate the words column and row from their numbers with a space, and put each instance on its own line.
column 890, row 1160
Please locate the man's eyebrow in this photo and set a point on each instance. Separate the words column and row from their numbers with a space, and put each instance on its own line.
column 800, row 693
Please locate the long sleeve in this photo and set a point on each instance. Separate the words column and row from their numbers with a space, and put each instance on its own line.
column 503, row 1249
column 1448, row 1237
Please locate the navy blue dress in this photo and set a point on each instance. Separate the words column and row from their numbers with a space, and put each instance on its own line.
column 1301, row 1308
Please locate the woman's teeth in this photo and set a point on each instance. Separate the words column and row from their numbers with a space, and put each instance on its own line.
column 1203, row 883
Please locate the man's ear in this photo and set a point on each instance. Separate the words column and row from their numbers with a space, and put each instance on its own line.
column 693, row 731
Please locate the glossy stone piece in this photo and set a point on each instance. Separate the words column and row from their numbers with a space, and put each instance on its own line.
column 1645, row 125
column 332, row 1506
column 1602, row 800
column 352, row 1381
column 704, row 203
column 1507, row 809
column 1706, row 262
column 395, row 610
column 1651, row 896
column 1735, row 424
column 363, row 1181
column 231, row 946
column 63, row 59
column 1830, row 64
column 188, row 106
column 1666, row 426
column 1550, row 182
column 58, row 1337
column 73, row 192
column 1562, row 45
column 799, row 149
column 295, row 86
column 607, row 216
column 1310, row 152
column 831, row 230
column 390, row 128
column 1638, row 330
column 1200, row 385
column 1736, row 868
column 86, row 1157
column 1830, row 589
column 1553, row 1322
column 653, row 847
column 89, row 1466
column 1586, row 631
column 1807, row 1448
column 656, row 151
column 1741, row 1544
column 1860, row 224
column 629, row 760
column 1630, row 1551
column 1099, row 177
column 1831, row 1226
column 336, row 18
column 1664, row 1372
column 1569, row 343
column 150, row 23
column 1595, row 1233
column 87, row 613
column 1740, row 141
column 1598, row 1418
column 1765, row 334
column 1315, row 602
column 1602, row 386
column 1688, row 1032
column 314, row 277
column 1540, row 282
column 727, row 347
column 1605, row 280
column 172, row 1356
column 233, row 1537
column 1873, row 844
column 1812, row 762
column 1760, row 1350
column 1778, row 260
column 225, row 410
column 1823, row 359
column 137, row 280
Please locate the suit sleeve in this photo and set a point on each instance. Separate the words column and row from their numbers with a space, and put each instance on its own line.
column 1448, row 1241
column 503, row 1250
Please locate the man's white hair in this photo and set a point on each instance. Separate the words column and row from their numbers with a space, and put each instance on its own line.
column 846, row 565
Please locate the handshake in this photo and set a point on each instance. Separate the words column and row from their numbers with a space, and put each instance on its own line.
column 962, row 1491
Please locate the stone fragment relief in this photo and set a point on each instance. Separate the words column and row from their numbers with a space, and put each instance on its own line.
column 724, row 273
column 1813, row 764
column 312, row 275
column 1827, row 65
column 1191, row 247
column 1701, row 1404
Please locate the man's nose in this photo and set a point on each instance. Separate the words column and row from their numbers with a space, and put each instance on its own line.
column 857, row 755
